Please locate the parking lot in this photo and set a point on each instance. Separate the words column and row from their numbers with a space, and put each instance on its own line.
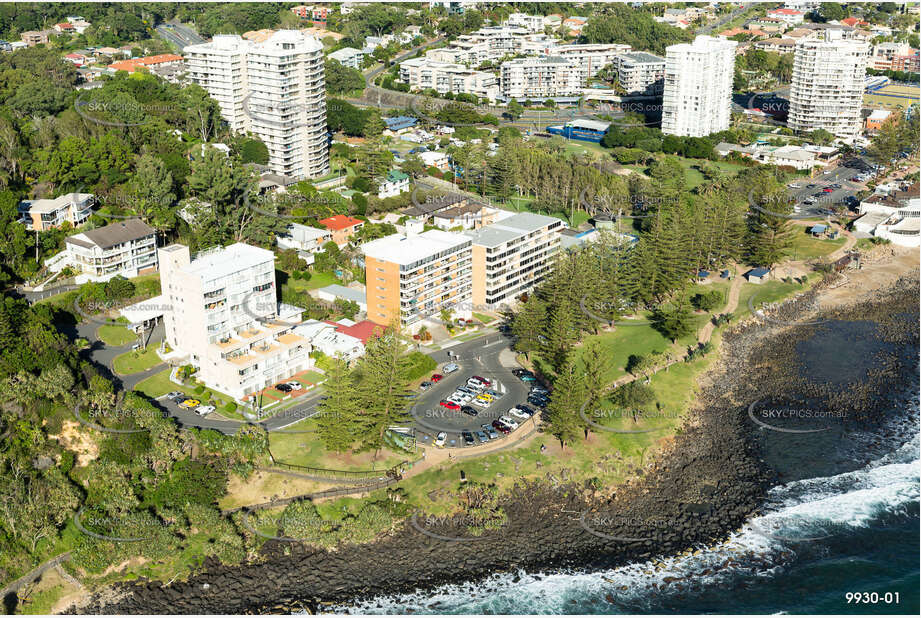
column 431, row 418
column 811, row 195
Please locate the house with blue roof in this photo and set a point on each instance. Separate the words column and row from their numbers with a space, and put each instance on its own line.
column 818, row 230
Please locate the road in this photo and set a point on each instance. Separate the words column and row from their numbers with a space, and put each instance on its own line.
column 724, row 20
column 179, row 35
column 814, row 186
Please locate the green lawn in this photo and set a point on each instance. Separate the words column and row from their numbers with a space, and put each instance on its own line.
column 485, row 319
column 807, row 247
column 694, row 176
column 306, row 449
column 116, row 335
column 312, row 376
column 767, row 292
column 136, row 361
column 317, row 280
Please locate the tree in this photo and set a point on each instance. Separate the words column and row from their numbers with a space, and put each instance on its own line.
column 674, row 322
column 381, row 388
column 528, row 325
column 633, row 396
column 595, row 362
column 341, row 79
column 151, row 190
column 708, row 301
column 565, row 404
column 338, row 412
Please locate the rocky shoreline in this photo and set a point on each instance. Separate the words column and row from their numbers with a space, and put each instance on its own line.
column 709, row 479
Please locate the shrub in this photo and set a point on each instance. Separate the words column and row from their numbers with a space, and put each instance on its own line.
column 231, row 407
column 199, row 389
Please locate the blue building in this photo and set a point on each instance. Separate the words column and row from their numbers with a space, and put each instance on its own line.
column 581, row 129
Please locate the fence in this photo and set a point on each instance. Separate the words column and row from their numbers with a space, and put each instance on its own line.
column 326, row 474
column 329, row 493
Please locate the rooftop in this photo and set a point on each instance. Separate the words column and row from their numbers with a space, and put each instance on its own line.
column 221, row 262
column 45, row 205
column 339, row 222
column 112, row 235
column 340, row 291
column 511, row 228
column 402, row 249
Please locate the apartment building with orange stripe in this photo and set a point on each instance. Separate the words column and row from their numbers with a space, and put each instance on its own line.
column 410, row 277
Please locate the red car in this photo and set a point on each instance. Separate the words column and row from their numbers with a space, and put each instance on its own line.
column 500, row 426
column 827, row 190
column 483, row 381
column 437, row 377
column 450, row 405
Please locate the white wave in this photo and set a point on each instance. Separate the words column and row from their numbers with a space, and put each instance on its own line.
column 802, row 511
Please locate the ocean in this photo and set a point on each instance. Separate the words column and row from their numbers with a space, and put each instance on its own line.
column 820, row 539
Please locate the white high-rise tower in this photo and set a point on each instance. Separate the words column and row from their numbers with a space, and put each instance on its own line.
column 697, row 97
column 275, row 90
column 828, row 84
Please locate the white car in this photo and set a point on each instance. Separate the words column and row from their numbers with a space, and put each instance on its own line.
column 295, row 385
column 795, row 185
column 519, row 413
column 461, row 397
column 481, row 403
column 440, row 439
column 204, row 410
column 450, row 368
column 512, row 424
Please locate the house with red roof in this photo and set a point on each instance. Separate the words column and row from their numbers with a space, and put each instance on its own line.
column 65, row 27
column 160, row 60
column 78, row 59
column 363, row 330
column 342, row 227
column 854, row 22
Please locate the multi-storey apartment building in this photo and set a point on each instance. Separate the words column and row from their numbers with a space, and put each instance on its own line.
column 828, row 84
column 410, row 277
column 512, row 256
column 640, row 73
column 423, row 73
column 531, row 23
column 588, row 58
column 697, row 95
column 274, row 89
column 127, row 248
column 220, row 68
column 42, row 215
column 539, row 78
column 223, row 315
column 492, row 43
column 306, row 240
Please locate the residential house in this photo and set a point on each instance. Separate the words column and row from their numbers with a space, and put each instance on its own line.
column 35, row 37
column 348, row 56
column 342, row 227
column 45, row 214
column 393, row 184
column 331, row 293
column 127, row 248
column 306, row 240
column 791, row 17
column 326, row 337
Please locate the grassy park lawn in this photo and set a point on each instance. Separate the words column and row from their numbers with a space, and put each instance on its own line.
column 136, row 361
column 767, row 292
column 317, row 280
column 485, row 319
column 306, row 449
column 694, row 176
column 806, row 247
column 116, row 335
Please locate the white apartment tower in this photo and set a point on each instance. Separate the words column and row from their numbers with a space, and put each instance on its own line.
column 698, row 87
column 275, row 90
column 828, row 83
column 224, row 318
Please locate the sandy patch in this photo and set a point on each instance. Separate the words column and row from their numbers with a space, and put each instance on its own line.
column 882, row 267
column 73, row 438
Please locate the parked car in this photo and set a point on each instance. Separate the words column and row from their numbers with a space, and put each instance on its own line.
column 425, row 385
column 440, row 438
column 539, row 389
column 509, row 421
column 527, row 377
column 809, row 200
column 795, row 185
column 450, row 368
column 284, row 388
column 468, row 438
column 188, row 404
column 485, row 397
column 481, row 402
column 450, row 405
column 539, row 402
column 295, row 385
column 437, row 377
column 490, row 431
column 481, row 380
column 501, row 427
column 492, row 393
column 526, row 409
column 179, row 398
column 516, row 411
column 482, row 436
column 469, row 410
column 475, row 384
column 466, row 389
column 204, row 410
column 175, row 394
